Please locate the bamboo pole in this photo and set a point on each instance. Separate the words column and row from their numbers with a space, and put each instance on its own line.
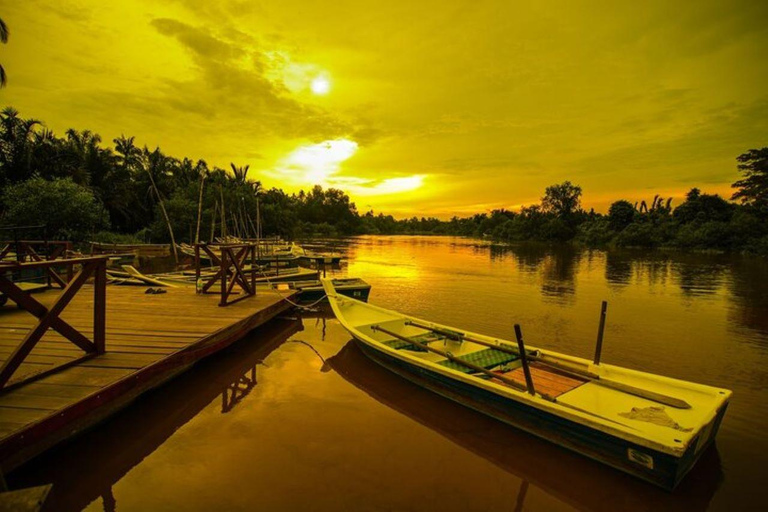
column 213, row 220
column 165, row 214
column 199, row 210
column 258, row 221
column 223, row 214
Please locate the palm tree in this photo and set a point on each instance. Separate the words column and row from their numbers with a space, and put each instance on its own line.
column 241, row 173
column 83, row 152
column 3, row 39
column 128, row 155
column 16, row 144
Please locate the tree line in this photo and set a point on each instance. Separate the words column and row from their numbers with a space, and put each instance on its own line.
column 83, row 190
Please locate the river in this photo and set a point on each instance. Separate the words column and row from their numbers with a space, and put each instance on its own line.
column 296, row 418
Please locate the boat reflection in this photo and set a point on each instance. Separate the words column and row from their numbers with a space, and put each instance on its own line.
column 571, row 478
column 87, row 468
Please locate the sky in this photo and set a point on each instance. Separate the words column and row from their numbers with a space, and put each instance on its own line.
column 414, row 108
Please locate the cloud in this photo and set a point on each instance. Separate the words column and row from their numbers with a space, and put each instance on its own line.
column 235, row 80
column 321, row 164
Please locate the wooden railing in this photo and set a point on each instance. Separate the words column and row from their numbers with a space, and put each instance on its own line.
column 230, row 260
column 50, row 318
column 38, row 250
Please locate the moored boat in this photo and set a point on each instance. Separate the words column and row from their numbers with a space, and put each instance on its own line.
column 647, row 425
column 312, row 291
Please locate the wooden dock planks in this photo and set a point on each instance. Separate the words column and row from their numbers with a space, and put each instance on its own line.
column 150, row 338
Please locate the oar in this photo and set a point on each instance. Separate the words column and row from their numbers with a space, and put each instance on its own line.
column 625, row 388
column 491, row 374
column 453, row 358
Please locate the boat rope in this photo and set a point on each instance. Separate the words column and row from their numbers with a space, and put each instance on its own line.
column 325, row 364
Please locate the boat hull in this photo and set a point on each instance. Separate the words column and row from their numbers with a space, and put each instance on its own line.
column 661, row 469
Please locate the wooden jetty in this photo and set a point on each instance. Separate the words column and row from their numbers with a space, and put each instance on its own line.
column 67, row 383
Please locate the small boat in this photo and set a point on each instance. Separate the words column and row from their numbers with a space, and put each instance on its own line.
column 313, row 291
column 652, row 427
column 317, row 258
column 143, row 250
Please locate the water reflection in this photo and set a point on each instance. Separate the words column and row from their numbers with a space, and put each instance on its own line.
column 559, row 274
column 749, row 289
column 573, row 479
column 555, row 266
column 236, row 391
column 87, row 468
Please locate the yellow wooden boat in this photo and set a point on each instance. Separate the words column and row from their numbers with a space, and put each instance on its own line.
column 647, row 425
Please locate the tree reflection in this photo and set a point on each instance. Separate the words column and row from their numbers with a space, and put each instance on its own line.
column 618, row 268
column 749, row 295
column 558, row 277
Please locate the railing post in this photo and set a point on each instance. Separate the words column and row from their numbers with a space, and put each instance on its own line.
column 100, row 307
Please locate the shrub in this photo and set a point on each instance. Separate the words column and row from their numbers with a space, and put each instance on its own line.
column 595, row 233
column 69, row 211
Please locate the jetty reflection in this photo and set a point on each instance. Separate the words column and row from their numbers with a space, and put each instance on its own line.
column 573, row 479
column 87, row 469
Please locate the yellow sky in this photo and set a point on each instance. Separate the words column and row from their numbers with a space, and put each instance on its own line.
column 415, row 108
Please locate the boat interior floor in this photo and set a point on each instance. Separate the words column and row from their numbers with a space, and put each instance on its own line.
column 546, row 380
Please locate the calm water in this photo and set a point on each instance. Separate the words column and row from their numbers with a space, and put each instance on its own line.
column 296, row 418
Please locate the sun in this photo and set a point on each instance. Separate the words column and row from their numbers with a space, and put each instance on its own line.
column 321, row 85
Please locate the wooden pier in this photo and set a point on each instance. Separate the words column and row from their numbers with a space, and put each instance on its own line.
column 59, row 390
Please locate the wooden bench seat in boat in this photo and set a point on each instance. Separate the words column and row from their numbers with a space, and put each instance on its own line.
column 546, row 380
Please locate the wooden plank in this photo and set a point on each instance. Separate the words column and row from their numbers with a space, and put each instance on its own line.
column 20, row 401
column 42, row 388
column 129, row 361
column 548, row 382
column 22, row 415
column 79, row 376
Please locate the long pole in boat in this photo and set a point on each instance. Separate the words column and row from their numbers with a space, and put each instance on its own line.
column 524, row 360
column 600, row 330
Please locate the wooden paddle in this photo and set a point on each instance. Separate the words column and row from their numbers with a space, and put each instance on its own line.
column 453, row 358
column 625, row 388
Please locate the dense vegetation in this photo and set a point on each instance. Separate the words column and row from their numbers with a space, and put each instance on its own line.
column 82, row 190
